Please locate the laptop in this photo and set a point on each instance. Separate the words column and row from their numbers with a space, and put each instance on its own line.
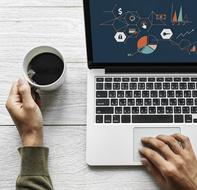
column 142, row 76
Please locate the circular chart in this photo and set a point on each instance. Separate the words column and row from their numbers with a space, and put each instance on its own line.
column 147, row 44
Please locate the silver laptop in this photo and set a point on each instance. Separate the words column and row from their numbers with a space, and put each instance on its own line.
column 142, row 77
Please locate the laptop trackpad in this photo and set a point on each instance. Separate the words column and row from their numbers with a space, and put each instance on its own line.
column 140, row 132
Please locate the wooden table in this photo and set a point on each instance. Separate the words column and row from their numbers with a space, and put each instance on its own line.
column 25, row 24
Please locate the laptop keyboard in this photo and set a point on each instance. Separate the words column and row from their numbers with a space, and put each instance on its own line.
column 146, row 100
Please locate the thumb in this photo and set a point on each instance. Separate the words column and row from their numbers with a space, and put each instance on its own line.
column 25, row 93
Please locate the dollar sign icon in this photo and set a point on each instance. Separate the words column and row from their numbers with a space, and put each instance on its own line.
column 120, row 11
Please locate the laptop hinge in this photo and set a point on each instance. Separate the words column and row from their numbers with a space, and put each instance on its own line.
column 149, row 69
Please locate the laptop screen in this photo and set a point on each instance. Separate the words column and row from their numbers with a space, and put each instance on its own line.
column 143, row 31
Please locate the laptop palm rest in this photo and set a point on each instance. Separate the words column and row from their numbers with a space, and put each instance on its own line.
column 141, row 132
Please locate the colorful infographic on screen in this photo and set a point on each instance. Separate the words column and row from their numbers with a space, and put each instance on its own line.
column 144, row 31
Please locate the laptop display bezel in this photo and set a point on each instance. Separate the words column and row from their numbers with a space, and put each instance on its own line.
column 135, row 67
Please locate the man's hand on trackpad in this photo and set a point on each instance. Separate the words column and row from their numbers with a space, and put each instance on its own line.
column 171, row 161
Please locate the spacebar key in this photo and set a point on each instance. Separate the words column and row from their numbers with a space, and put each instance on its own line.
column 152, row 119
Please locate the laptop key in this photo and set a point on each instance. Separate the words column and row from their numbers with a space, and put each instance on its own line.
column 160, row 110
column 179, row 94
column 191, row 86
column 102, row 102
column 120, row 94
column 134, row 79
column 158, row 86
column 99, row 86
column 125, row 79
column 173, row 102
column 145, row 94
column 187, row 94
column 99, row 118
column 149, row 86
column 126, row 110
column 135, row 110
column 112, row 94
column 168, row 79
column 186, row 110
column 143, row 79
column 147, row 102
column 151, row 79
column 122, row 102
column 188, row 118
column 126, row 119
column 101, row 94
column 169, row 110
column 107, row 118
column 178, row 118
column 162, row 94
column 131, row 102
column 137, row 94
column 181, row 102
column 124, row 86
column 183, row 86
column 116, row 118
column 114, row 102
column 190, row 102
column 193, row 109
column 194, row 79
column 116, row 86
column 139, row 102
column 108, row 86
column 156, row 102
column 160, row 79
column 128, row 94
column 117, row 79
column 118, row 110
column 186, row 79
column 174, row 86
column 104, row 110
column 194, row 94
column 108, row 79
column 154, row 94
column 164, row 102
column 177, row 79
column 166, row 86
column 143, row 110
column 133, row 86
column 170, row 94
column 152, row 119
column 99, row 79
column 177, row 110
column 152, row 110
column 141, row 86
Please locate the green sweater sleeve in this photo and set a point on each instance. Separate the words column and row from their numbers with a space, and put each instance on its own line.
column 34, row 173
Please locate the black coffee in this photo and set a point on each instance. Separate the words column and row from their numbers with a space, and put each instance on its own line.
column 45, row 68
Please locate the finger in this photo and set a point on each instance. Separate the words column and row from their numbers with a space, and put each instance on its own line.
column 158, row 161
column 153, row 171
column 159, row 146
column 184, row 141
column 25, row 93
column 14, row 89
column 171, row 142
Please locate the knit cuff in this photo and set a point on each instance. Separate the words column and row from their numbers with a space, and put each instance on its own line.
column 34, row 161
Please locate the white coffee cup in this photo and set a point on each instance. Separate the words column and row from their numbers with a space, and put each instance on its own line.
column 33, row 53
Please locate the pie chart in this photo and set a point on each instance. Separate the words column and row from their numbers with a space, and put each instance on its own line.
column 147, row 44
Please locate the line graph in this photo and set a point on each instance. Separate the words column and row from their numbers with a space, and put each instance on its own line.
column 184, row 34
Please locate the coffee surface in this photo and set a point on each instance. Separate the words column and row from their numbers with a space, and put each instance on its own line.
column 45, row 68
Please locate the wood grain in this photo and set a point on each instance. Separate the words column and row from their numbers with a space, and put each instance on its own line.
column 67, row 163
column 36, row 3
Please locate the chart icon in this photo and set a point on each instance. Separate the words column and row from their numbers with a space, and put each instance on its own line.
column 147, row 44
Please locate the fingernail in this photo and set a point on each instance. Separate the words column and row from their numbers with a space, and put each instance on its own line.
column 144, row 161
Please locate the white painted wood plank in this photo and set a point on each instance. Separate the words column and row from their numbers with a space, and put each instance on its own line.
column 67, row 163
column 44, row 3
column 62, row 28
column 65, row 106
